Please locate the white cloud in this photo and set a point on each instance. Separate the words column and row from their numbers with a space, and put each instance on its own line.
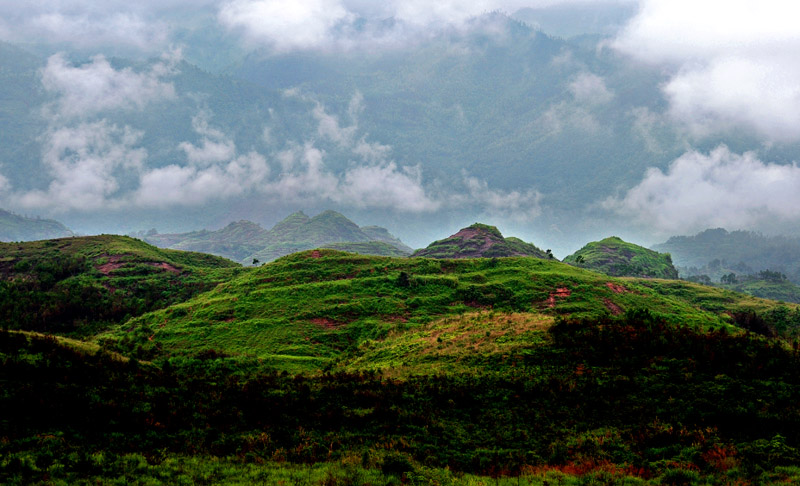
column 214, row 147
column 734, row 61
column 330, row 128
column 730, row 92
column 88, row 89
column 385, row 186
column 721, row 189
column 285, row 26
column 347, row 24
column 86, row 162
column 590, row 89
column 191, row 185
column 589, row 93
column 513, row 205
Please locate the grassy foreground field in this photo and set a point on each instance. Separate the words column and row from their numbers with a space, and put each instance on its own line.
column 326, row 367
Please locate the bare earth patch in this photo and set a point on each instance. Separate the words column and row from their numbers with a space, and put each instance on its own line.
column 112, row 264
column 325, row 322
column 616, row 288
column 612, row 307
column 560, row 293
column 166, row 266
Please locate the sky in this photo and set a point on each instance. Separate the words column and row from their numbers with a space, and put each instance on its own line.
column 729, row 67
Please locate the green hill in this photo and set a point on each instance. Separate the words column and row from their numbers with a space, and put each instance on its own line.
column 318, row 309
column 618, row 258
column 244, row 241
column 79, row 285
column 353, row 369
column 19, row 228
column 480, row 241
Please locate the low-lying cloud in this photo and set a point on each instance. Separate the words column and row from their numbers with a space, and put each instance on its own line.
column 734, row 63
column 718, row 189
column 85, row 90
column 348, row 24
column 86, row 162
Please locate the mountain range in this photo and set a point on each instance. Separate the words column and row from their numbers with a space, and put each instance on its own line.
column 247, row 242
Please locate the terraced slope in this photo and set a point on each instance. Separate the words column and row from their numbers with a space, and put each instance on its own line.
column 320, row 309
column 80, row 285
column 480, row 241
column 618, row 258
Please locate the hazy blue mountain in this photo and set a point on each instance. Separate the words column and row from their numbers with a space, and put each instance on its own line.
column 328, row 229
column 717, row 252
column 244, row 241
column 235, row 241
column 14, row 227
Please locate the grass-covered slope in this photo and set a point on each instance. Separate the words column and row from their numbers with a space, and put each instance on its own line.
column 77, row 285
column 318, row 309
column 377, row 248
column 618, row 258
column 480, row 241
column 14, row 227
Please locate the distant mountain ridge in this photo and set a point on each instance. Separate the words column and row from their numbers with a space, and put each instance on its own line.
column 740, row 251
column 616, row 257
column 245, row 241
column 14, row 227
column 480, row 241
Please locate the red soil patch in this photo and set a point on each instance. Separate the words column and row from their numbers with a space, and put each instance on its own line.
column 324, row 322
column 560, row 293
column 165, row 266
column 617, row 289
column 316, row 254
column 113, row 264
column 472, row 233
column 614, row 308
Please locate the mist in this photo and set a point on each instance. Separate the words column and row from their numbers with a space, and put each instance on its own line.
column 557, row 121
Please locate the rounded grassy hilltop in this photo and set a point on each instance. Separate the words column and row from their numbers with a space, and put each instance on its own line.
column 616, row 257
column 480, row 241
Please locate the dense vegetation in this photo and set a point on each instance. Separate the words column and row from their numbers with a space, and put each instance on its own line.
column 616, row 257
column 629, row 396
column 480, row 241
column 80, row 285
column 326, row 367
column 766, row 284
